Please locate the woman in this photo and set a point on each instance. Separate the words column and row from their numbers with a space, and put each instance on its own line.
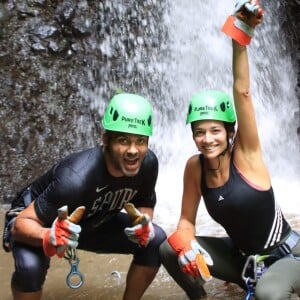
column 261, row 252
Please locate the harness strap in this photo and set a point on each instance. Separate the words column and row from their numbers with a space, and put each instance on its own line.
column 27, row 196
column 256, row 265
column 286, row 247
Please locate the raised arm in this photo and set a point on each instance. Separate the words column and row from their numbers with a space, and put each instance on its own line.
column 247, row 149
column 247, row 140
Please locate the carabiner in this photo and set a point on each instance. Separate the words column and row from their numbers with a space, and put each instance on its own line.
column 250, row 289
column 74, row 273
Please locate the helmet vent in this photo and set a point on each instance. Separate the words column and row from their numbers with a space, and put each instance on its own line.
column 116, row 115
column 223, row 106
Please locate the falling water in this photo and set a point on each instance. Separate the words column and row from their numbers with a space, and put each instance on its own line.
column 199, row 57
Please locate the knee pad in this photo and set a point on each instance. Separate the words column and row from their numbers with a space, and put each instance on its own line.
column 160, row 236
column 31, row 267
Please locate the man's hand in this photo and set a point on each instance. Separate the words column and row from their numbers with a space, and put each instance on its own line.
column 142, row 232
column 192, row 258
column 63, row 232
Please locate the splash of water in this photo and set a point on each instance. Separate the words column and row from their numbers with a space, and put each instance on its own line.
column 198, row 57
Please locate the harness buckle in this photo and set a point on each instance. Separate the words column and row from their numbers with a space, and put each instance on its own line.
column 253, row 269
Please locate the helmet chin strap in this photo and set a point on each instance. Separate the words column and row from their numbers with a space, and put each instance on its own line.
column 224, row 152
column 228, row 146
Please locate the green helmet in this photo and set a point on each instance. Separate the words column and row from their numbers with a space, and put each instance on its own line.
column 128, row 113
column 211, row 105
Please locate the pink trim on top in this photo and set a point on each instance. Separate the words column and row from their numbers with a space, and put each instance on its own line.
column 248, row 181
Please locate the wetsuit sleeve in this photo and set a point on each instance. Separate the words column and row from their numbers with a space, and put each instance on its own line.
column 62, row 185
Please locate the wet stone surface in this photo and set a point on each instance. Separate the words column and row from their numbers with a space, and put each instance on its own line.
column 105, row 274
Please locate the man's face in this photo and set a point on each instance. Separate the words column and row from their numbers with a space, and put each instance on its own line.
column 124, row 153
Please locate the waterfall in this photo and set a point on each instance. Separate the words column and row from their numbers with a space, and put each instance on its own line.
column 197, row 56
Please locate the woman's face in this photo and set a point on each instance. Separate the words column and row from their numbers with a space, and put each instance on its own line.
column 210, row 137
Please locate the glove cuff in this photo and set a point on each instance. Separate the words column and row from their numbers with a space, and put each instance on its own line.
column 48, row 248
column 238, row 30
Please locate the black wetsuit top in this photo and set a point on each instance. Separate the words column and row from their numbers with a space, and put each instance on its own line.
column 83, row 179
column 251, row 217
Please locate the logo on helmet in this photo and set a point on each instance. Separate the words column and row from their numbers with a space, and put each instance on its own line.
column 134, row 121
column 205, row 109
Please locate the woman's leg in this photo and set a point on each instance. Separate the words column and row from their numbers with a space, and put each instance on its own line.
column 192, row 287
column 228, row 264
column 280, row 281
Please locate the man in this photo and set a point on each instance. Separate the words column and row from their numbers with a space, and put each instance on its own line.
column 97, row 183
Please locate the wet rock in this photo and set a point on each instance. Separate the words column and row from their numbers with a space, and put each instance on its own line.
column 46, row 31
column 38, row 47
column 65, row 12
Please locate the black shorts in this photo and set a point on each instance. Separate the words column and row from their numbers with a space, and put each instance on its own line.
column 110, row 238
column 32, row 265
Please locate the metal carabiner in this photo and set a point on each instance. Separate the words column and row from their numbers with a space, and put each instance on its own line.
column 74, row 275
column 256, row 267
column 71, row 256
column 250, row 281
column 250, row 289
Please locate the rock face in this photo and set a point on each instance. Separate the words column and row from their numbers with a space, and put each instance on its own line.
column 50, row 50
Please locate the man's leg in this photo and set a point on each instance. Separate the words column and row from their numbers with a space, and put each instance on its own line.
column 138, row 280
column 144, row 267
column 146, row 260
column 26, row 296
column 31, row 267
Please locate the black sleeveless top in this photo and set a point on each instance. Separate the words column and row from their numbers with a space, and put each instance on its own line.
column 251, row 217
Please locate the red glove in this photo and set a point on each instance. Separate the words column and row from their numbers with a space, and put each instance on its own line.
column 240, row 26
column 142, row 233
column 62, row 234
column 192, row 258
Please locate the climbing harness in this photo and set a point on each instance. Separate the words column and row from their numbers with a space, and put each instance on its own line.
column 252, row 271
column 24, row 199
column 75, row 278
column 256, row 265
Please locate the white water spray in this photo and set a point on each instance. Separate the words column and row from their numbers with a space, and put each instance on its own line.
column 199, row 57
